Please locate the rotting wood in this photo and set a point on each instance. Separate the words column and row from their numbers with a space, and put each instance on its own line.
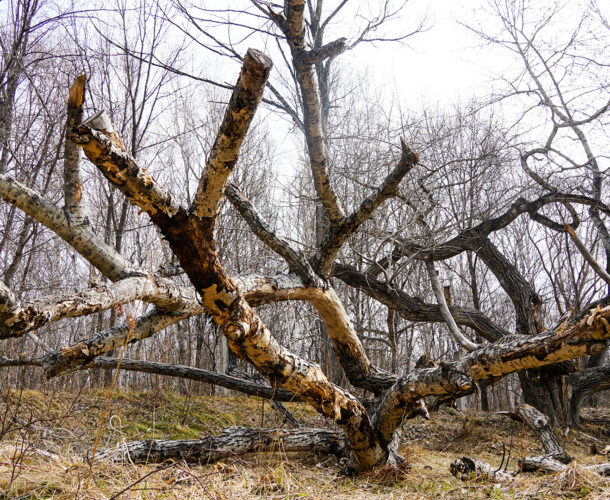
column 540, row 424
column 233, row 441
column 471, row 468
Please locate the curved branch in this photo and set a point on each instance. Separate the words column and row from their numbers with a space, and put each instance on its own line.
column 259, row 226
column 100, row 255
column 466, row 238
column 455, row 332
column 338, row 233
column 413, row 308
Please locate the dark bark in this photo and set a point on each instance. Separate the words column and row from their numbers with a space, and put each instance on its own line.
column 415, row 309
column 187, row 372
column 584, row 384
column 234, row 441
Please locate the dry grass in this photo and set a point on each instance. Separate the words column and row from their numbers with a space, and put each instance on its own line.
column 46, row 457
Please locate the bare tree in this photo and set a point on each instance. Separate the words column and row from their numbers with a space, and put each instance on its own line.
column 433, row 237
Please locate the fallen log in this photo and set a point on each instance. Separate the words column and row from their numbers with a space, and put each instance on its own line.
column 548, row 464
column 233, row 441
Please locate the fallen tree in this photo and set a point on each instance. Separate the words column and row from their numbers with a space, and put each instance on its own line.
column 370, row 426
column 233, row 441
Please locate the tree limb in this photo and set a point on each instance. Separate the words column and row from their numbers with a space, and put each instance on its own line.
column 601, row 272
column 239, row 114
column 455, row 332
column 102, row 256
column 338, row 233
column 73, row 185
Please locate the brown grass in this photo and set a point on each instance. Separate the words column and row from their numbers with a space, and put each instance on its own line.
column 46, row 459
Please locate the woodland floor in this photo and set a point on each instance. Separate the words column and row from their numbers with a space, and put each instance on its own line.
column 66, row 425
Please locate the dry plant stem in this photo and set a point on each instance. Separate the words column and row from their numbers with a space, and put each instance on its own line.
column 131, row 318
column 142, row 478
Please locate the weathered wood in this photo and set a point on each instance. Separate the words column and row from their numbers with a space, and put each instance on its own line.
column 164, row 293
column 233, row 441
column 73, row 185
column 539, row 423
column 293, row 28
column 471, row 468
column 233, row 129
column 549, row 464
column 191, row 373
column 191, row 237
column 102, row 256
column 586, row 335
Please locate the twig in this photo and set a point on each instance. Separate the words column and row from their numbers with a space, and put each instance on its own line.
column 127, row 488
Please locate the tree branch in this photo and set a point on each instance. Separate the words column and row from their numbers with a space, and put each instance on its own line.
column 259, row 226
column 338, row 233
column 413, row 308
column 586, row 335
column 73, row 185
column 455, row 332
column 601, row 272
column 238, row 116
column 165, row 294
column 102, row 256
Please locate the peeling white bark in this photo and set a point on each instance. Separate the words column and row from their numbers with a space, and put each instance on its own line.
column 102, row 256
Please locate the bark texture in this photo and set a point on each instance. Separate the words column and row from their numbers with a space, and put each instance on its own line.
column 233, row 441
column 539, row 423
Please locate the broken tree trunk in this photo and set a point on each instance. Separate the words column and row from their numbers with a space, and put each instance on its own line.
column 540, row 424
column 190, row 234
column 233, row 441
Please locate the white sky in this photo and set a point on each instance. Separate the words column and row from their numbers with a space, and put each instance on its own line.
column 442, row 65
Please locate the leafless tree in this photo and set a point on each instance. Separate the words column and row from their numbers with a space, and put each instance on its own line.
column 455, row 217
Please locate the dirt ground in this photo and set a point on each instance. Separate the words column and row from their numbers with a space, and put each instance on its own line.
column 44, row 454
